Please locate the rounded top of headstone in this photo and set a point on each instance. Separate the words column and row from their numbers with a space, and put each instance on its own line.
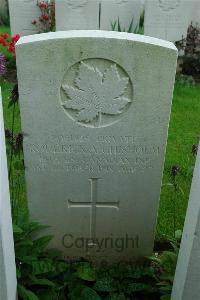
column 72, row 34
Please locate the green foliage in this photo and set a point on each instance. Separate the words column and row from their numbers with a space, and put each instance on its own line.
column 183, row 132
column 106, row 284
column 191, row 47
column 165, row 264
column 38, row 269
column 116, row 26
column 26, row 294
column 185, row 80
column 119, row 281
column 4, row 19
column 85, row 271
column 42, row 275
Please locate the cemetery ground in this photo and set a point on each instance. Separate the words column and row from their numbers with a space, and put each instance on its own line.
column 184, row 132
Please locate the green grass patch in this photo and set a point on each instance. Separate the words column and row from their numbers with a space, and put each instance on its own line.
column 184, row 127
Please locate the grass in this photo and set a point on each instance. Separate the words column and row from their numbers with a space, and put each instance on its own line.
column 183, row 130
column 184, row 127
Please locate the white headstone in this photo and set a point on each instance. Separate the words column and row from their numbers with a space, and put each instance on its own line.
column 22, row 13
column 142, row 6
column 77, row 14
column 187, row 277
column 126, row 11
column 8, row 283
column 95, row 128
column 167, row 19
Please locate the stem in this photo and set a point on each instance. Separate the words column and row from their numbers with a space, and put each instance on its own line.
column 174, row 205
column 10, row 173
column 12, row 143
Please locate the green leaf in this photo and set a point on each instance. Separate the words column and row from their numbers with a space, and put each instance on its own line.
column 119, row 26
column 167, row 288
column 61, row 266
column 168, row 261
column 182, row 191
column 42, row 267
column 75, row 288
column 18, row 272
column 41, row 281
column 165, row 297
column 17, row 229
column 113, row 25
column 27, row 259
column 86, row 272
column 26, row 294
column 24, row 243
column 46, row 294
column 34, row 227
column 130, row 29
column 19, row 165
column 131, row 271
column 132, row 287
column 106, row 284
column 40, row 244
column 167, row 277
column 178, row 235
column 89, row 294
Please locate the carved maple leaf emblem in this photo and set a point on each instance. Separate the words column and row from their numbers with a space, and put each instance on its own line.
column 96, row 93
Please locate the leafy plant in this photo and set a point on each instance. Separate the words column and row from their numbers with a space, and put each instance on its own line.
column 38, row 269
column 176, row 191
column 46, row 20
column 191, row 48
column 119, row 281
column 185, row 80
column 116, row 26
column 43, row 276
column 165, row 264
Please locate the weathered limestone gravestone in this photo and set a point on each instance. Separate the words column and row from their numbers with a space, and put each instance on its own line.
column 167, row 19
column 77, row 14
column 22, row 13
column 186, row 283
column 97, row 14
column 95, row 110
column 8, row 282
column 127, row 11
